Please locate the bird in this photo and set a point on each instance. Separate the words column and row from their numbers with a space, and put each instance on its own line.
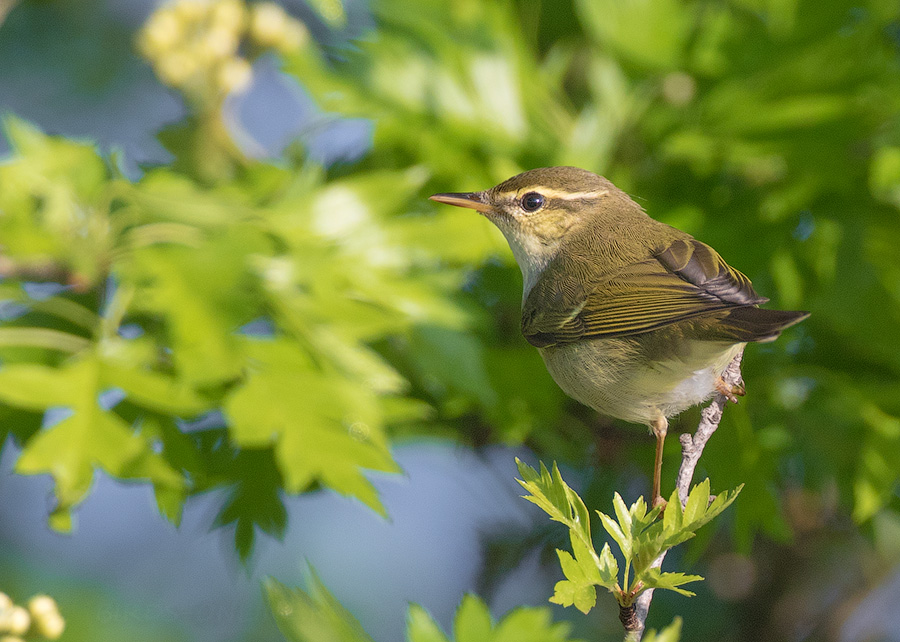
column 632, row 317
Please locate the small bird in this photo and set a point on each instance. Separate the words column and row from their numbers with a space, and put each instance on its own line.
column 633, row 317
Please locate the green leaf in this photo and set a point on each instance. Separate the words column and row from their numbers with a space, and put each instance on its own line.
column 673, row 517
column 254, row 501
column 313, row 615
column 155, row 391
column 453, row 357
column 583, row 572
column 576, row 590
column 523, row 624
column 654, row 578
column 615, row 531
column 527, row 624
column 697, row 503
column 38, row 387
column 546, row 491
column 608, row 568
column 879, row 460
column 90, row 436
column 473, row 620
column 193, row 289
column 421, row 627
column 651, row 33
column 322, row 427
column 623, row 515
column 671, row 633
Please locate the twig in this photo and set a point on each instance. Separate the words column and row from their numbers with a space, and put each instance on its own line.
column 691, row 449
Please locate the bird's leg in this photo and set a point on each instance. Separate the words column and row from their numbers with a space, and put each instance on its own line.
column 730, row 391
column 659, row 426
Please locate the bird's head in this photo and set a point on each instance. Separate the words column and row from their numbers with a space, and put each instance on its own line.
column 535, row 211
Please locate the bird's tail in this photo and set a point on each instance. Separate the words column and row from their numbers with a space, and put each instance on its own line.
column 750, row 323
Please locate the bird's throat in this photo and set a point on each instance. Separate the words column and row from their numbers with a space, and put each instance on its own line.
column 533, row 254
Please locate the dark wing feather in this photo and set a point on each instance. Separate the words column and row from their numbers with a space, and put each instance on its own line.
column 701, row 266
column 682, row 280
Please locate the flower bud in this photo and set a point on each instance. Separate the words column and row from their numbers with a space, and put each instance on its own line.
column 230, row 15
column 49, row 625
column 234, row 75
column 5, row 602
column 191, row 11
column 175, row 68
column 162, row 31
column 267, row 23
column 295, row 36
column 41, row 604
column 220, row 42
column 15, row 620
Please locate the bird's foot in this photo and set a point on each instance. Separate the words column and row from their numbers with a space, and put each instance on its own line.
column 731, row 392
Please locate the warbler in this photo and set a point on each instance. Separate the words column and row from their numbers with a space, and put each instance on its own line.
column 632, row 317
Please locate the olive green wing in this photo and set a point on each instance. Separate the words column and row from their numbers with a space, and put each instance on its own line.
column 684, row 279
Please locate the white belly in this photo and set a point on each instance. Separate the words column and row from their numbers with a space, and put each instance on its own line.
column 611, row 376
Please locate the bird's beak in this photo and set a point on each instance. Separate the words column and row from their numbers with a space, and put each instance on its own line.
column 473, row 200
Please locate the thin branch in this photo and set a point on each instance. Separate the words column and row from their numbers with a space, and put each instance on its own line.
column 691, row 449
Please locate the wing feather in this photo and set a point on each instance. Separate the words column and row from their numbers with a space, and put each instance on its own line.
column 682, row 280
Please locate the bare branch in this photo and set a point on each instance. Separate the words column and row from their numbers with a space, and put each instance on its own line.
column 691, row 449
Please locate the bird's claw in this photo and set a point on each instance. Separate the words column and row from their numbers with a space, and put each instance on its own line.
column 729, row 391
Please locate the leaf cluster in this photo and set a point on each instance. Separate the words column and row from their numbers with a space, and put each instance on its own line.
column 259, row 335
column 640, row 534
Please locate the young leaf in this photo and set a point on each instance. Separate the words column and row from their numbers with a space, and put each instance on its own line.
column 623, row 514
column 698, row 512
column 654, row 578
column 550, row 493
column 577, row 591
column 671, row 633
column 678, row 525
column 608, row 569
column 615, row 531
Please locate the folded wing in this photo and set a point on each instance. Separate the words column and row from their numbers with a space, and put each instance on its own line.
column 682, row 280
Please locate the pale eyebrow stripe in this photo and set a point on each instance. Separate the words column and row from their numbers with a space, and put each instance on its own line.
column 549, row 192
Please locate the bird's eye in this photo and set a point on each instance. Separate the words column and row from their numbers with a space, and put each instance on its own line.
column 532, row 202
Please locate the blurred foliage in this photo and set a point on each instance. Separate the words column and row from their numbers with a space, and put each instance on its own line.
column 315, row 615
column 201, row 337
column 775, row 122
column 268, row 327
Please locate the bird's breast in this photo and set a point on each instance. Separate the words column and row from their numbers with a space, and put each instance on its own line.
column 616, row 377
